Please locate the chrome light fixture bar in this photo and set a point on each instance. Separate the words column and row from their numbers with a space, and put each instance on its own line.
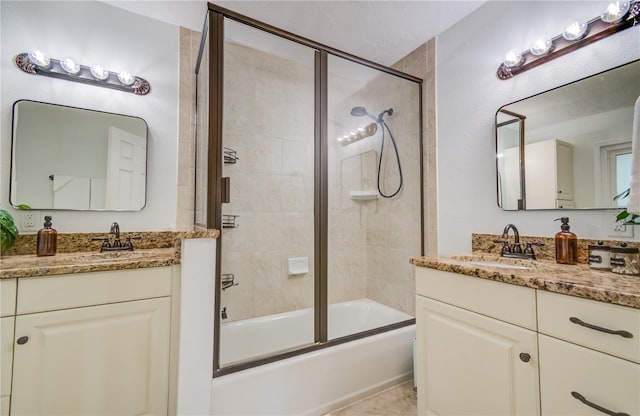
column 618, row 16
column 37, row 63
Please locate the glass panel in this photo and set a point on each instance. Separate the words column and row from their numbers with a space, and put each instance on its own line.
column 508, row 129
column 268, row 225
column 202, row 136
column 374, row 197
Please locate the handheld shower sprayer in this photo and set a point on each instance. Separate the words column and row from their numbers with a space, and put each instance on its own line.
column 360, row 112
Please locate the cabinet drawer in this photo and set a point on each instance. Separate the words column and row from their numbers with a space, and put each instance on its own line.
column 509, row 303
column 558, row 316
column 41, row 294
column 7, row 297
column 600, row 379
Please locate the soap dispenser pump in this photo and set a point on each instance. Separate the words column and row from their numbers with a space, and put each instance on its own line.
column 47, row 241
column 566, row 244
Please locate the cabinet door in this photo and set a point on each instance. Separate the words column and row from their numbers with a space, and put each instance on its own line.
column 102, row 360
column 571, row 376
column 6, row 358
column 469, row 364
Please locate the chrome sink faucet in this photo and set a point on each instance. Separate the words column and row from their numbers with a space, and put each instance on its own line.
column 515, row 250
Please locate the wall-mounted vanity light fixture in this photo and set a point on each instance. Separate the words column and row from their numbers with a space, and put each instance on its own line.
column 361, row 133
column 619, row 15
column 38, row 63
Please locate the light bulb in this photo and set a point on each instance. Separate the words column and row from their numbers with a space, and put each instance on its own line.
column 575, row 31
column 38, row 58
column 513, row 59
column 541, row 47
column 126, row 78
column 615, row 12
column 70, row 66
column 99, row 72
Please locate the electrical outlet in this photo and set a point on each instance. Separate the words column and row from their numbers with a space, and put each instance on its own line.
column 30, row 220
column 621, row 230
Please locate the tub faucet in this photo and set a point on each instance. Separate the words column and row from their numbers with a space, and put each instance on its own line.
column 223, row 313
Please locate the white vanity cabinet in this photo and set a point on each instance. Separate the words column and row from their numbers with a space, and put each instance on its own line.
column 549, row 175
column 472, row 332
column 476, row 350
column 589, row 356
column 7, row 319
column 93, row 343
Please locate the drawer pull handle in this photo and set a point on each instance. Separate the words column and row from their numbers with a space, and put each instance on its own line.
column 580, row 397
column 624, row 334
column 22, row 340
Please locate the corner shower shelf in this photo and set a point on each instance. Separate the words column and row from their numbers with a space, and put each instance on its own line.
column 229, row 221
column 230, row 156
column 364, row 195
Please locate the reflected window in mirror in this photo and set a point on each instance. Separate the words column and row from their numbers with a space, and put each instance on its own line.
column 77, row 159
column 575, row 146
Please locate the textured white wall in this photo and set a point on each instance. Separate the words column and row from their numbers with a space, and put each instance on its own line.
column 93, row 32
column 469, row 94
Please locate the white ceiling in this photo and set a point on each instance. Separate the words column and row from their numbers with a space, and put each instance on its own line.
column 381, row 31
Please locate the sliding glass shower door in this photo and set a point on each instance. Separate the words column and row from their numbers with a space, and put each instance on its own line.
column 374, row 175
column 267, row 261
column 309, row 162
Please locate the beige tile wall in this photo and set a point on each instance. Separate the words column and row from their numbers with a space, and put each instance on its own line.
column 269, row 121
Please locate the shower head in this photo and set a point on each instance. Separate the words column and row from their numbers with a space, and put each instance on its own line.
column 361, row 111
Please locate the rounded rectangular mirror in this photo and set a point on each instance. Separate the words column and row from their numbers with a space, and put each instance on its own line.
column 77, row 159
column 569, row 147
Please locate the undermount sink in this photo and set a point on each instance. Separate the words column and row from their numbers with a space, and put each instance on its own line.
column 109, row 256
column 501, row 262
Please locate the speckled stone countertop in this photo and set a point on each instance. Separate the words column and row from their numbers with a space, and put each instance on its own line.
column 575, row 280
column 78, row 254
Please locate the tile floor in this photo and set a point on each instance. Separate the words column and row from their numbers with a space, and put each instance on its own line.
column 396, row 401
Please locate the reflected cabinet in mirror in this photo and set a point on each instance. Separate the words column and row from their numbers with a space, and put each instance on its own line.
column 77, row 159
column 569, row 147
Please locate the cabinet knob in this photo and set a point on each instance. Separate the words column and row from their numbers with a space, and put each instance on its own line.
column 22, row 340
column 525, row 357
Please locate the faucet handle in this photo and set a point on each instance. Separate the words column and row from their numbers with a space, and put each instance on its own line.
column 127, row 242
column 105, row 242
column 505, row 247
column 528, row 251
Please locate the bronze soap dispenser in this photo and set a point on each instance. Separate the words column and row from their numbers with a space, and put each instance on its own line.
column 47, row 241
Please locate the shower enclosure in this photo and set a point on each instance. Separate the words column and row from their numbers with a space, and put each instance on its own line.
column 309, row 161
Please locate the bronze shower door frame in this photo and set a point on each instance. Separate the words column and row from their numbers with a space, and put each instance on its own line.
column 214, row 29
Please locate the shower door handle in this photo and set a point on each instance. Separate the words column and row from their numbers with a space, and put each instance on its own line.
column 226, row 190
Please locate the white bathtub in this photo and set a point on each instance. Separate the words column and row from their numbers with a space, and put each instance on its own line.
column 320, row 381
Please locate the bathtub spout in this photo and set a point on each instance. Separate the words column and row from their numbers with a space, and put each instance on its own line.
column 223, row 314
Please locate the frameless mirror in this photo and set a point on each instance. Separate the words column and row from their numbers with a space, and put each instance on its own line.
column 569, row 147
column 77, row 159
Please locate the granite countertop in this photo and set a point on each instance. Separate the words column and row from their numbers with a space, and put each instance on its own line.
column 78, row 253
column 575, row 280
column 81, row 262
